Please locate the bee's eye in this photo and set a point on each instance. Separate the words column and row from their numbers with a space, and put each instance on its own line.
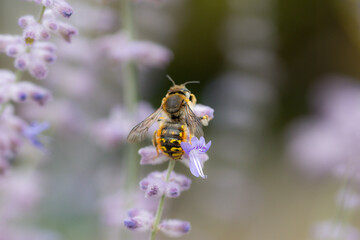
column 191, row 98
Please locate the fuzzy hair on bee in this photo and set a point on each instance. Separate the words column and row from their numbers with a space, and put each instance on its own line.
column 177, row 122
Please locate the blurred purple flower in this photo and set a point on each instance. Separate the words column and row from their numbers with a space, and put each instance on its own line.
column 348, row 199
column 33, row 131
column 193, row 150
column 119, row 48
column 331, row 230
column 174, row 227
column 114, row 130
column 203, row 110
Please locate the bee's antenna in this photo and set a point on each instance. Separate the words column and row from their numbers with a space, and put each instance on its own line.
column 171, row 79
column 191, row 82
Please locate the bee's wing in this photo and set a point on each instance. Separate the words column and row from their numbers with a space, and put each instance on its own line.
column 193, row 122
column 138, row 133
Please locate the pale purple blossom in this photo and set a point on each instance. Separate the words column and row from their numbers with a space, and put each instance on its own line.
column 114, row 130
column 174, row 227
column 6, row 40
column 34, row 31
column 119, row 48
column 76, row 82
column 330, row 230
column 60, row 7
column 201, row 110
column 139, row 220
column 194, row 150
column 20, row 191
column 155, row 185
column 102, row 19
column 33, row 132
column 348, row 199
column 35, row 60
column 329, row 141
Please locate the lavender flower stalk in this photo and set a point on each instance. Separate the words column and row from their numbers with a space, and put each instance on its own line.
column 32, row 53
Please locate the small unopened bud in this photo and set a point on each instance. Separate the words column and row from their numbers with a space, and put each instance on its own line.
column 26, row 21
column 38, row 69
column 47, row 3
column 15, row 49
column 62, row 8
column 22, row 62
column 174, row 227
column 139, row 220
column 155, row 189
column 172, row 190
column 67, row 31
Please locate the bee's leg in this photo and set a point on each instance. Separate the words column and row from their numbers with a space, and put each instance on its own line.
column 156, row 143
column 204, row 120
column 193, row 99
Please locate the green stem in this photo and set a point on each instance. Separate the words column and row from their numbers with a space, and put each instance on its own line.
column 161, row 203
column 41, row 14
column 129, row 70
column 19, row 75
column 130, row 79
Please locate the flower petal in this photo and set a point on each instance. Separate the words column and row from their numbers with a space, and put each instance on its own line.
column 207, row 146
column 186, row 147
column 149, row 156
column 195, row 164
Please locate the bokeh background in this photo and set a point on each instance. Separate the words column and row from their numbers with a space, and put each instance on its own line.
column 258, row 63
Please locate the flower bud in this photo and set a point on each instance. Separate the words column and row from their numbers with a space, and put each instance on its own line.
column 62, row 8
column 22, row 62
column 38, row 69
column 139, row 220
column 174, row 227
column 15, row 49
column 5, row 40
column 183, row 181
column 45, row 56
column 26, row 21
column 155, row 189
column 51, row 24
column 67, row 31
column 47, row 3
column 150, row 156
column 172, row 190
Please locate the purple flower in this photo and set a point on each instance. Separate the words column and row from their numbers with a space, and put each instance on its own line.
column 332, row 230
column 204, row 111
column 155, row 185
column 139, row 220
column 194, row 150
column 33, row 131
column 174, row 227
column 119, row 48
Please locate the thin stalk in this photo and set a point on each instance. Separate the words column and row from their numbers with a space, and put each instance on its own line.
column 161, row 203
column 41, row 14
column 130, row 79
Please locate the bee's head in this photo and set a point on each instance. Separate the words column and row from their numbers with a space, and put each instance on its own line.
column 180, row 89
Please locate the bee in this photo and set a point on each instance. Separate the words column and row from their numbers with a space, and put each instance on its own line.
column 176, row 120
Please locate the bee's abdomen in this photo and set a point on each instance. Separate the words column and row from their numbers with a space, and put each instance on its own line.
column 171, row 137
